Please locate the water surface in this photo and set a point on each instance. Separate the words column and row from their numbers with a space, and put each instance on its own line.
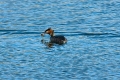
column 91, row 27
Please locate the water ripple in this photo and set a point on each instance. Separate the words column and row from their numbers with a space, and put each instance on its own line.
column 91, row 28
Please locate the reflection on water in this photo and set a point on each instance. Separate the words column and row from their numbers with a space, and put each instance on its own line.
column 91, row 28
column 48, row 44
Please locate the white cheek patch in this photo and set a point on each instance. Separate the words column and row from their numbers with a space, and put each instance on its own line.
column 47, row 31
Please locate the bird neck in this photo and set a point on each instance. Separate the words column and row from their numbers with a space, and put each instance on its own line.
column 52, row 33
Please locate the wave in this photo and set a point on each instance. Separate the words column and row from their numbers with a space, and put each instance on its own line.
column 70, row 33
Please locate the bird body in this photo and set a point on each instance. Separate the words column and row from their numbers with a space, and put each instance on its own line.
column 58, row 39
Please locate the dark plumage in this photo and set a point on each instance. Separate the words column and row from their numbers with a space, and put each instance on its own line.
column 58, row 39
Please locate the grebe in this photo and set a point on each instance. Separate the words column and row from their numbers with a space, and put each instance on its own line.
column 58, row 39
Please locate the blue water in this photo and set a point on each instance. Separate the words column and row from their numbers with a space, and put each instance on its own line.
column 92, row 28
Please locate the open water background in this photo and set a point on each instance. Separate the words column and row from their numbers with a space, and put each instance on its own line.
column 92, row 28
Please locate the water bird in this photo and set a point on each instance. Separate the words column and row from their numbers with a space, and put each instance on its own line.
column 57, row 39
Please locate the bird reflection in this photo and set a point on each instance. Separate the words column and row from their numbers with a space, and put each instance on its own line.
column 48, row 44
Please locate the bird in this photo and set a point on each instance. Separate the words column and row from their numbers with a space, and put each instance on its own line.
column 57, row 39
